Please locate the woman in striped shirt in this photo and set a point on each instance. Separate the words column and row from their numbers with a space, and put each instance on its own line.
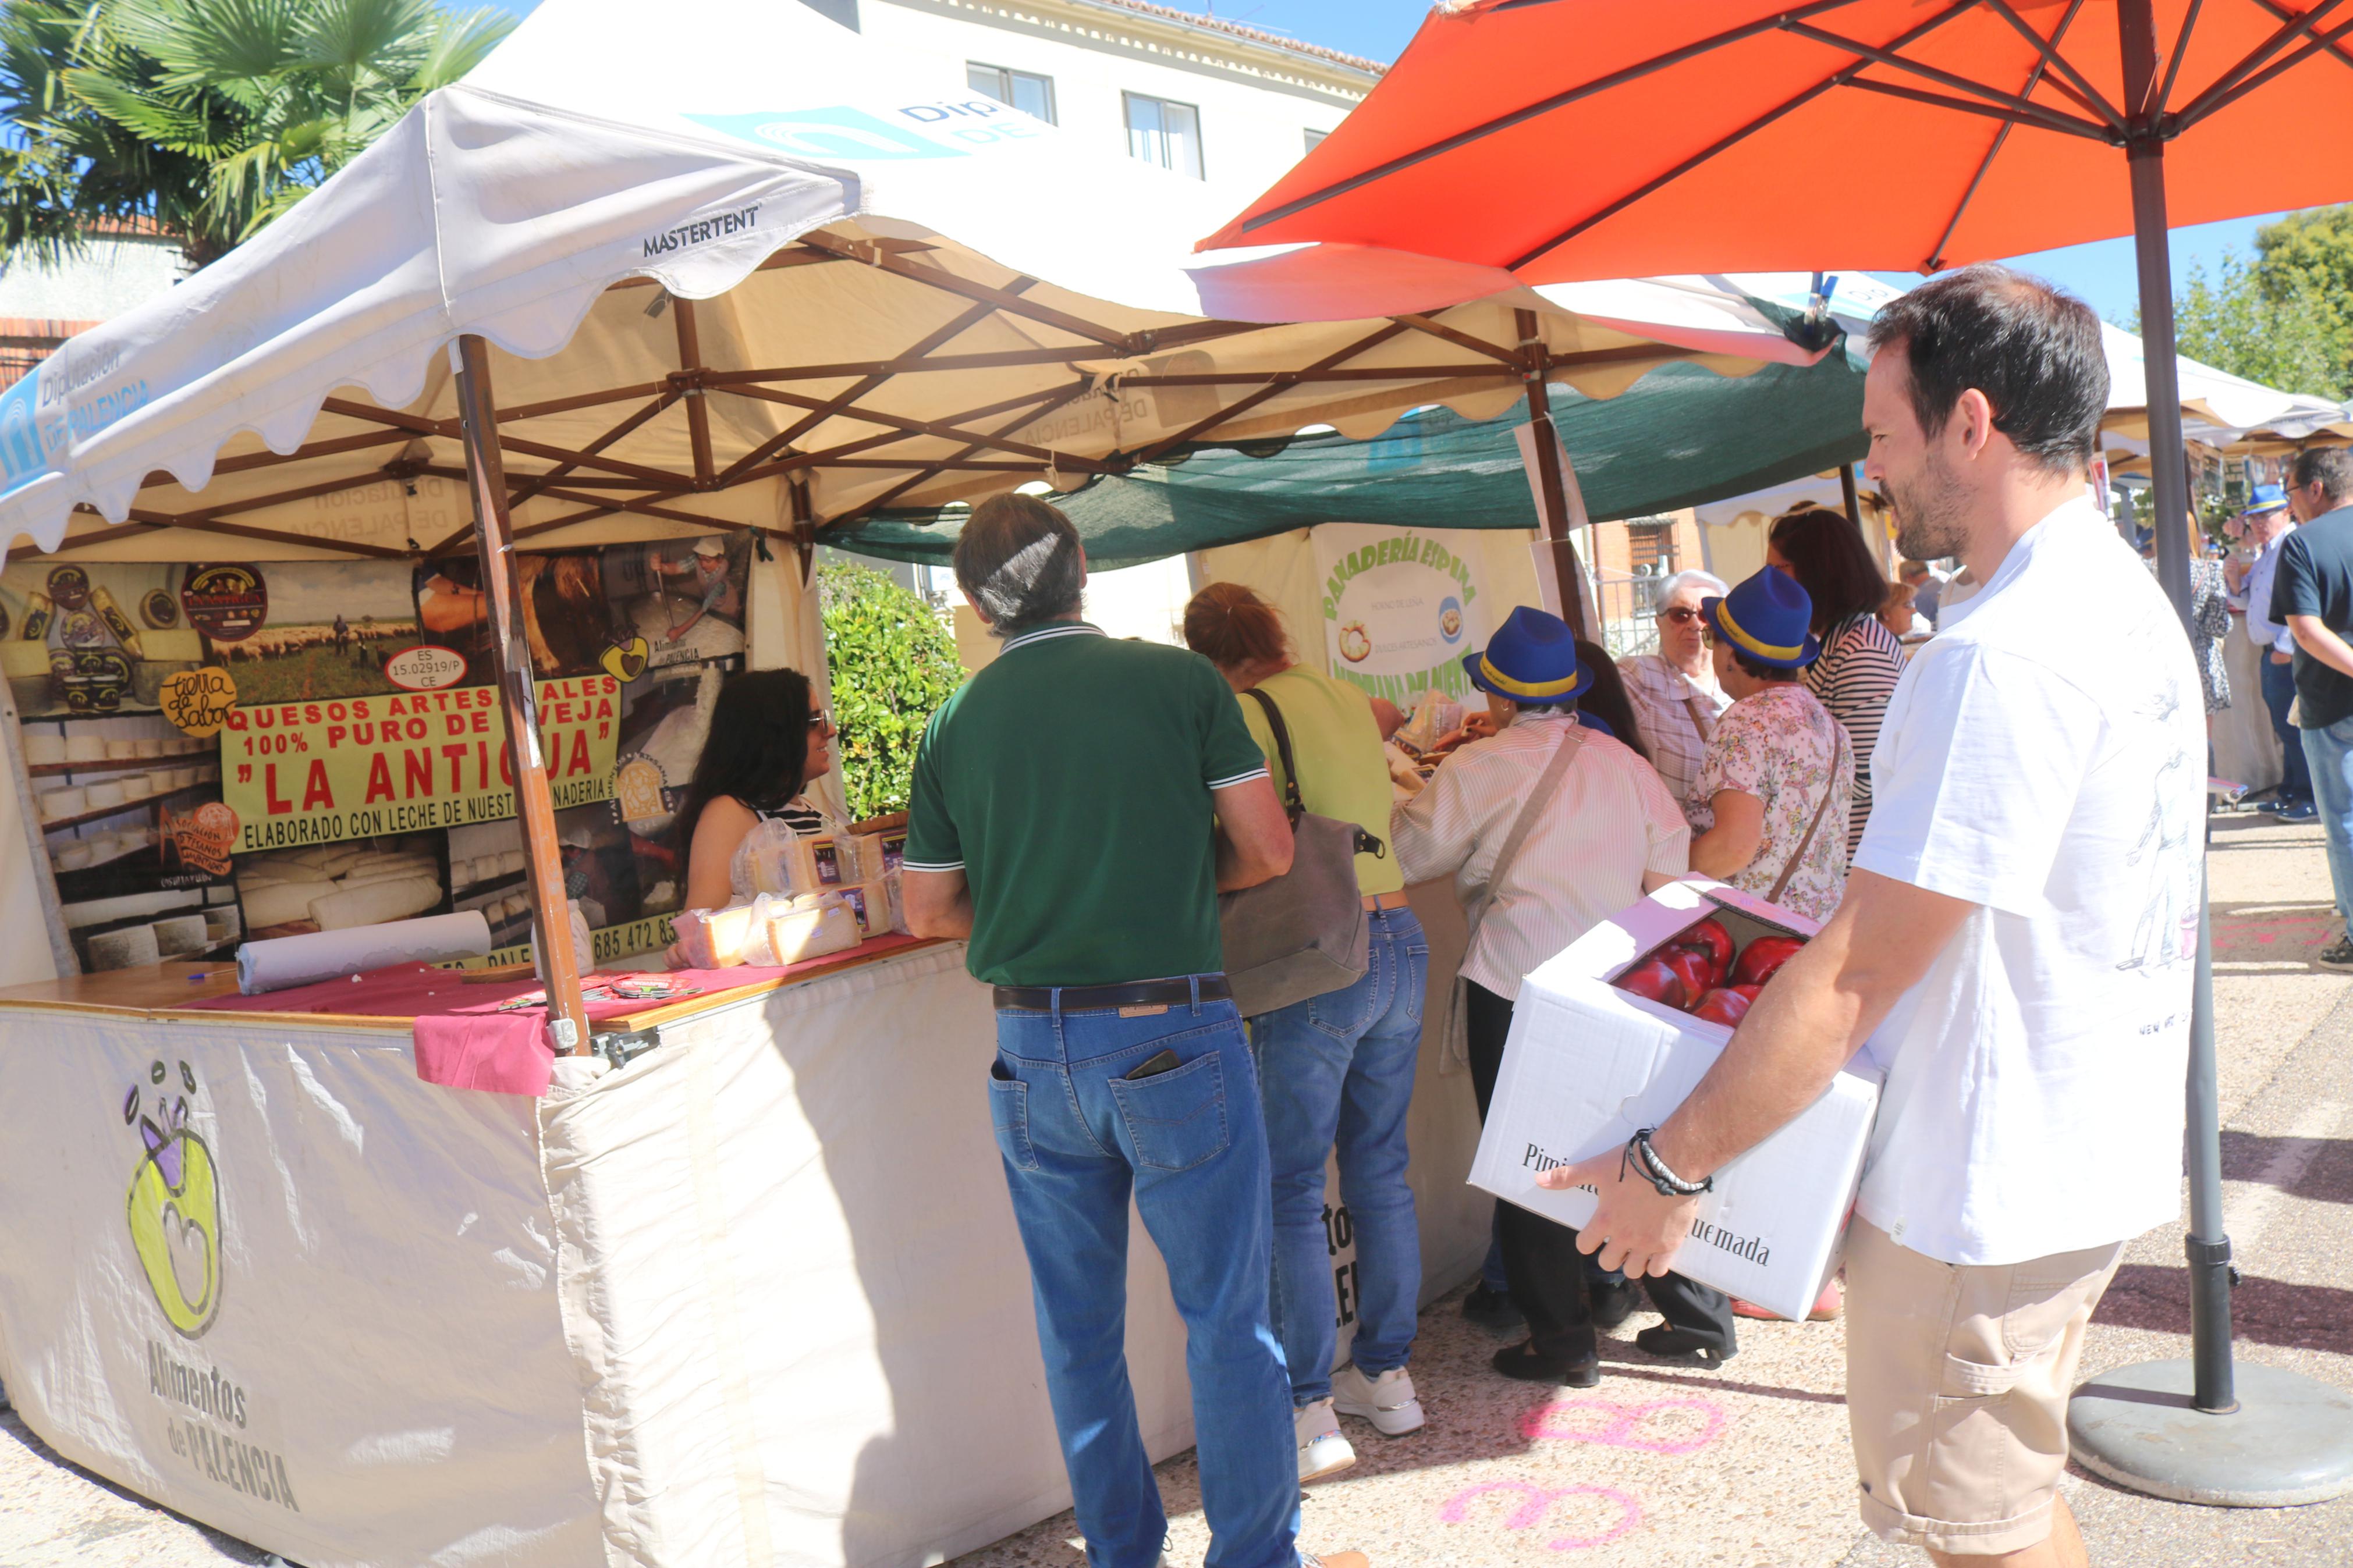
column 1862, row 661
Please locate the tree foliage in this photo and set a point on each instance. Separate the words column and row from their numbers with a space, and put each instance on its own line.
column 2283, row 317
column 2286, row 336
column 208, row 117
column 892, row 663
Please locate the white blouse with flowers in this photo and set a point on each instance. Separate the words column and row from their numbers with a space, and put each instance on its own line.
column 1782, row 746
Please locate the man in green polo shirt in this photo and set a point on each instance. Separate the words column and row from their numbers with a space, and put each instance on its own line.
column 1077, row 807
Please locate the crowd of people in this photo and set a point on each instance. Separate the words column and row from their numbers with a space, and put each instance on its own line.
column 1997, row 829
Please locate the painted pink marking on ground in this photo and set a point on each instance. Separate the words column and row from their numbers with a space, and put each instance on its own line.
column 1623, row 1423
column 1535, row 1502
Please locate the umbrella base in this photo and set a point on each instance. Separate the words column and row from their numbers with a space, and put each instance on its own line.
column 2289, row 1442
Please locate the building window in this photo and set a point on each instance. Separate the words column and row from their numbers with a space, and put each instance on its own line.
column 1032, row 94
column 1315, row 138
column 1165, row 134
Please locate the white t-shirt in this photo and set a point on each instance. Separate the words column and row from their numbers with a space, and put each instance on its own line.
column 2045, row 759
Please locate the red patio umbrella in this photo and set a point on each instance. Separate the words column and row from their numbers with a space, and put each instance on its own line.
column 1574, row 139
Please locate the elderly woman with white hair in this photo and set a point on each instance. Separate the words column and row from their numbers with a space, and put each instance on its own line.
column 1674, row 691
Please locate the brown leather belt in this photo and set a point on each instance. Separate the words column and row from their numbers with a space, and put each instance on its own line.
column 1397, row 901
column 1093, row 998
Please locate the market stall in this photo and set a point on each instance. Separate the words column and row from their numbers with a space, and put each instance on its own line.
column 433, row 517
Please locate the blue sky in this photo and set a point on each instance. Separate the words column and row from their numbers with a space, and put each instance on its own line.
column 2101, row 273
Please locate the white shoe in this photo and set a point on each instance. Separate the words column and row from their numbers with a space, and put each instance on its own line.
column 1388, row 1401
column 1321, row 1450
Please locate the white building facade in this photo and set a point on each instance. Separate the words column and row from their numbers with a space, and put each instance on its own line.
column 1229, row 104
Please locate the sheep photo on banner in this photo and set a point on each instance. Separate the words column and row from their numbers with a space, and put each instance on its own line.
column 231, row 749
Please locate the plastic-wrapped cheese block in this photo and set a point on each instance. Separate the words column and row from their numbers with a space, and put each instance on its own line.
column 714, row 939
column 898, row 904
column 376, row 903
column 797, row 934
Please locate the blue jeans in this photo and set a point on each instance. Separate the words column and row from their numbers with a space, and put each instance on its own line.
column 1337, row 1072
column 1077, row 1136
column 2330, row 752
column 2279, row 692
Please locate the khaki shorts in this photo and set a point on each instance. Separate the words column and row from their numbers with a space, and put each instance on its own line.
column 1958, row 1378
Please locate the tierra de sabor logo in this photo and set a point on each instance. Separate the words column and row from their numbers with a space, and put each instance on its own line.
column 175, row 1215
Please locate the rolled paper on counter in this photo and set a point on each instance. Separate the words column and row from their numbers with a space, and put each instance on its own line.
column 376, row 903
column 290, row 961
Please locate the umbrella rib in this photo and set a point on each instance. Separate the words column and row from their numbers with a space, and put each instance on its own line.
column 2181, row 49
column 2284, row 14
column 532, row 483
column 895, row 491
column 1992, row 95
column 2317, row 45
column 1966, row 106
column 912, row 427
column 698, row 416
column 2090, row 96
column 948, row 282
column 1935, row 262
column 1542, row 107
column 963, row 322
column 2287, row 34
column 1244, row 405
column 1460, row 340
column 1844, row 74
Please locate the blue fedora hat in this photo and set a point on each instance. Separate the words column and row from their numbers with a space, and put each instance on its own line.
column 2267, row 499
column 1769, row 617
column 1533, row 660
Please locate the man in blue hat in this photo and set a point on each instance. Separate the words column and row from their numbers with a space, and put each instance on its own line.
column 2269, row 522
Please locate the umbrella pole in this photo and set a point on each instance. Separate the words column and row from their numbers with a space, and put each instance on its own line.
column 567, row 1025
column 1556, row 519
column 2171, row 1428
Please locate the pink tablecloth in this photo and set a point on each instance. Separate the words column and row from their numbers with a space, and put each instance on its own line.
column 464, row 1041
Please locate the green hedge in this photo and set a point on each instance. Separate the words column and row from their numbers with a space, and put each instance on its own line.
column 892, row 663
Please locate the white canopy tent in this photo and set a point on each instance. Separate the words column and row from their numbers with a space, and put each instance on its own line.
column 927, row 295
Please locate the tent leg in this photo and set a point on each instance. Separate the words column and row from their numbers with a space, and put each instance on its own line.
column 567, row 1025
column 1556, row 520
column 2170, row 1429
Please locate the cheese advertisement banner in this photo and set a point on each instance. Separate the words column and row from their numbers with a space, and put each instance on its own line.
column 300, row 773
column 1400, row 607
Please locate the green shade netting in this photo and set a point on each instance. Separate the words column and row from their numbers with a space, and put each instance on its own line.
column 1680, row 436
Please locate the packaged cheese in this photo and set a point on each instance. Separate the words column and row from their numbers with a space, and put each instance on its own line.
column 714, row 939
column 898, row 904
column 811, row 931
column 880, row 853
column 871, row 902
column 834, row 860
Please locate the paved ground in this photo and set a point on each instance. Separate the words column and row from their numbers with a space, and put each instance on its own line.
column 1670, row 1465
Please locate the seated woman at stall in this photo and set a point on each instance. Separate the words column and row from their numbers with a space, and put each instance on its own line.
column 1773, row 783
column 768, row 738
column 1600, row 833
column 1335, row 1070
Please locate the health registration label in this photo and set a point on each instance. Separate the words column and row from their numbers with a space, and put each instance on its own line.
column 360, row 767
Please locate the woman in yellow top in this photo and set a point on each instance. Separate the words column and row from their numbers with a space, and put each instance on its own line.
column 1335, row 1070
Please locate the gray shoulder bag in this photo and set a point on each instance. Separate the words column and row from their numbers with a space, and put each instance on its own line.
column 1303, row 933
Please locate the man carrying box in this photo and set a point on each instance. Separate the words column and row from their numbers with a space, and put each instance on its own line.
column 2016, row 944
